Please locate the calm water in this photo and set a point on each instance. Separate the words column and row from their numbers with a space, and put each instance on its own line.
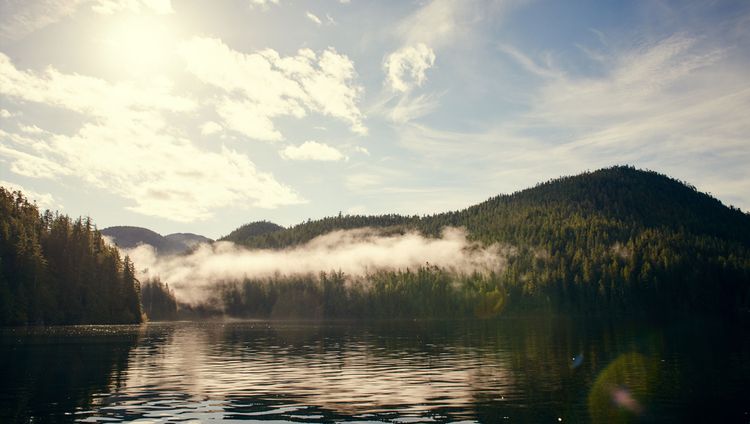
column 511, row 370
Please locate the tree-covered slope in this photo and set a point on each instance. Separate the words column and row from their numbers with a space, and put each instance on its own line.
column 621, row 199
column 253, row 233
column 614, row 239
column 618, row 201
column 54, row 270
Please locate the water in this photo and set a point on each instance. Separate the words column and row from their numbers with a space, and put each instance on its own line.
column 511, row 370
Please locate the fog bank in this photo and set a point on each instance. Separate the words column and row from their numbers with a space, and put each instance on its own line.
column 355, row 252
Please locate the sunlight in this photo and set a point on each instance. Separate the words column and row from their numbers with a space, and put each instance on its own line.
column 139, row 46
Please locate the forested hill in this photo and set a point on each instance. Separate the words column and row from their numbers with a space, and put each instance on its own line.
column 55, row 270
column 248, row 233
column 618, row 202
column 613, row 239
column 622, row 199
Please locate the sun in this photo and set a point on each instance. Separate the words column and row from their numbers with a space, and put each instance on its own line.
column 139, row 46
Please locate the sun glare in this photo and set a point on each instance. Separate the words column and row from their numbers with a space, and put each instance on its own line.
column 139, row 46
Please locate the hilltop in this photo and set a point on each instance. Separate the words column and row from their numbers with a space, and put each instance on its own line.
column 127, row 237
column 616, row 201
column 616, row 239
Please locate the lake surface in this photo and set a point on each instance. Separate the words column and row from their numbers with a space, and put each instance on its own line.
column 508, row 370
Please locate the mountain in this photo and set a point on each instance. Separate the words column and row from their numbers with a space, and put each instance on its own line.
column 129, row 237
column 624, row 198
column 616, row 239
column 187, row 240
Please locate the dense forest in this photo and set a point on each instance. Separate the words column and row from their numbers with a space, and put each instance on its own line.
column 158, row 300
column 55, row 270
column 616, row 240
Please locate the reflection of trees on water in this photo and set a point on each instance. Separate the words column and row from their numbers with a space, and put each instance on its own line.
column 51, row 374
column 527, row 369
column 469, row 369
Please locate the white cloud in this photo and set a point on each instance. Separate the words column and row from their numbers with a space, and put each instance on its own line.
column 311, row 150
column 248, row 118
column 406, row 67
column 362, row 150
column 31, row 129
column 109, row 7
column 43, row 200
column 263, row 85
column 5, row 113
column 313, row 18
column 127, row 147
column 84, row 94
column 263, row 4
column 210, row 128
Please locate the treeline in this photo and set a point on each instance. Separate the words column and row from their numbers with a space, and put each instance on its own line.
column 617, row 239
column 267, row 235
column 55, row 270
column 158, row 300
column 427, row 292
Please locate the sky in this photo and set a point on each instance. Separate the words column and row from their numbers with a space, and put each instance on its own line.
column 196, row 116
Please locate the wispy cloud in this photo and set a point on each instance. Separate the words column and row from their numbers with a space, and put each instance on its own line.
column 676, row 104
column 435, row 23
column 262, row 4
column 311, row 16
column 108, row 7
column 21, row 18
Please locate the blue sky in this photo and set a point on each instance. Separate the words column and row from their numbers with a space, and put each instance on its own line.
column 201, row 116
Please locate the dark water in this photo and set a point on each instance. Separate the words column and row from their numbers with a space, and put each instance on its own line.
column 510, row 370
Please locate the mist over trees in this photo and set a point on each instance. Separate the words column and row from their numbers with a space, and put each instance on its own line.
column 615, row 240
column 55, row 270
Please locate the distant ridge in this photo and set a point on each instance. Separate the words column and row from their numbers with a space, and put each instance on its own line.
column 128, row 237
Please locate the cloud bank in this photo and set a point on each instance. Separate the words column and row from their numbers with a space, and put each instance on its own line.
column 355, row 252
column 128, row 146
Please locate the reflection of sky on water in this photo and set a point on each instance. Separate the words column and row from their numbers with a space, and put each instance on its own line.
column 350, row 375
column 529, row 370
